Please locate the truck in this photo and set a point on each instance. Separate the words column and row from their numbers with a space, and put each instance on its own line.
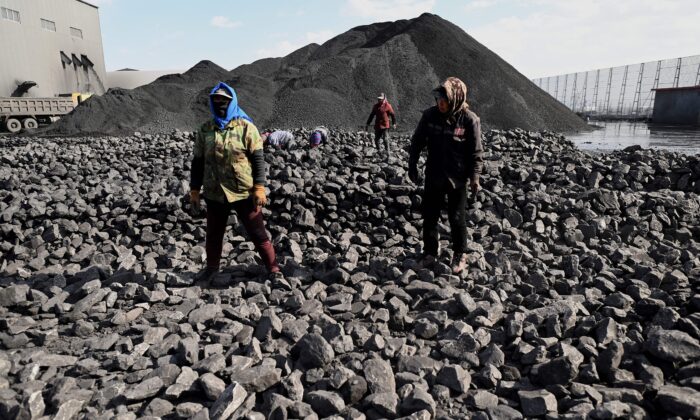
column 28, row 113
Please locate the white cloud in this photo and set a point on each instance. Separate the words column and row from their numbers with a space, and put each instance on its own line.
column 318, row 37
column 387, row 9
column 284, row 47
column 475, row 5
column 570, row 36
column 224, row 22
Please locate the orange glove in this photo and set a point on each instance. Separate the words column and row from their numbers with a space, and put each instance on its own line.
column 258, row 194
column 195, row 199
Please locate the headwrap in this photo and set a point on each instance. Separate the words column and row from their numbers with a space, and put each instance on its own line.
column 456, row 91
column 315, row 138
column 233, row 112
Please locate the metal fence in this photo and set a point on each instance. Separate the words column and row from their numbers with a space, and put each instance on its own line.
column 625, row 91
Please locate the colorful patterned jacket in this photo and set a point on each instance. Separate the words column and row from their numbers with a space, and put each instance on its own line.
column 227, row 163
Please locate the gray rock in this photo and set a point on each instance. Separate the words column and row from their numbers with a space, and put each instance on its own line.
column 379, row 376
column 611, row 410
column 212, row 386
column 325, row 403
column 258, row 378
column 69, row 410
column 313, row 351
column 228, row 402
column 418, row 400
column 672, row 345
column 205, row 313
column 158, row 408
column 144, row 390
column 558, row 371
column 55, row 360
column 681, row 401
column 455, row 378
column 35, row 405
column 14, row 295
column 482, row 400
column 354, row 390
column 504, row 412
column 537, row 403
column 384, row 403
column 188, row 409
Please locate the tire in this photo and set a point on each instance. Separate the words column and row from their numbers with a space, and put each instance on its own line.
column 30, row 123
column 13, row 125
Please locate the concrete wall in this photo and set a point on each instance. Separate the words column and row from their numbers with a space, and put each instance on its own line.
column 30, row 52
column 677, row 106
column 134, row 79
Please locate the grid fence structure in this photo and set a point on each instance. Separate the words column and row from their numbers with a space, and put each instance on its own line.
column 624, row 91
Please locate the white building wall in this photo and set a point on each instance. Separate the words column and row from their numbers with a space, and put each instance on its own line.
column 29, row 52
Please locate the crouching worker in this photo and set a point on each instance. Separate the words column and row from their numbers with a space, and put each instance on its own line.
column 452, row 134
column 318, row 136
column 229, row 164
column 278, row 139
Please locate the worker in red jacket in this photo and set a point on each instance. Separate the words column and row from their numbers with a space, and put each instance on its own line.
column 382, row 110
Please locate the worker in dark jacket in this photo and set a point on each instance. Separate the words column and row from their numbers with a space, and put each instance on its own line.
column 383, row 111
column 452, row 134
column 229, row 164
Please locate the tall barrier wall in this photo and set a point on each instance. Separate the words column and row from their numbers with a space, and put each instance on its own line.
column 624, row 91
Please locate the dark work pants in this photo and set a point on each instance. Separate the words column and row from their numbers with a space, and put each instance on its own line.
column 379, row 135
column 252, row 220
column 433, row 202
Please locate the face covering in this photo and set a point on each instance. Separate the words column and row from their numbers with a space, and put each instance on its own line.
column 221, row 108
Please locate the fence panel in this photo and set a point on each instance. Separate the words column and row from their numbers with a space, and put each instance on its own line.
column 623, row 91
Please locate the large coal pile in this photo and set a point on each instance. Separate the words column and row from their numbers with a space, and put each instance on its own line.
column 170, row 102
column 581, row 300
column 336, row 84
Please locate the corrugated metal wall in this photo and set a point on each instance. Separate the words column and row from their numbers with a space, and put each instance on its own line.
column 31, row 52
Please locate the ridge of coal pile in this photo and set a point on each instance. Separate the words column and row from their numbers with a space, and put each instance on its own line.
column 581, row 299
column 335, row 84
column 170, row 102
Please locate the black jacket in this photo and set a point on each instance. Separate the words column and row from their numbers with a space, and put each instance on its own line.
column 455, row 153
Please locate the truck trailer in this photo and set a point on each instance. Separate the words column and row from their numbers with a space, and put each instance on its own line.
column 28, row 113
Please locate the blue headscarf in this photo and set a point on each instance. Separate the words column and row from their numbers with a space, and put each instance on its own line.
column 233, row 112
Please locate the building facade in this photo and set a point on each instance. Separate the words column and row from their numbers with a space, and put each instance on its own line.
column 50, row 48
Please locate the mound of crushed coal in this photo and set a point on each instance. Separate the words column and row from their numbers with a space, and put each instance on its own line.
column 581, row 299
column 171, row 101
column 335, row 84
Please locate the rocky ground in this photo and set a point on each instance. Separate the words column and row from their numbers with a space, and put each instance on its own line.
column 582, row 299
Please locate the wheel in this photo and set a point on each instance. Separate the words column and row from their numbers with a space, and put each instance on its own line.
column 30, row 123
column 13, row 125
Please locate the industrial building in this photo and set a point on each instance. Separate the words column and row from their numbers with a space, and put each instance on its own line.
column 678, row 106
column 50, row 48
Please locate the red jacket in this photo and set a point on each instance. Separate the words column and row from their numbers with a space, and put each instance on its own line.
column 383, row 111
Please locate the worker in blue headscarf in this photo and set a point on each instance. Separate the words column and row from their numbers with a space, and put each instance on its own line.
column 229, row 165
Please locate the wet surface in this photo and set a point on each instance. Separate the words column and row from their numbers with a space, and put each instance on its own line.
column 618, row 135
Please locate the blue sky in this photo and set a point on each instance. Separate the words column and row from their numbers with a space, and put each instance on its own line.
column 538, row 37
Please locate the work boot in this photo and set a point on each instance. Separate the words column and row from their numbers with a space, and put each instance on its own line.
column 459, row 262
column 206, row 274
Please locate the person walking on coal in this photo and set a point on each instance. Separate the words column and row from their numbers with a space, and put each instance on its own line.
column 383, row 111
column 229, row 165
column 452, row 134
